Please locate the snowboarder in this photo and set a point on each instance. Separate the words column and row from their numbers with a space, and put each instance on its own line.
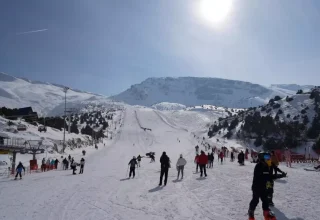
column 133, row 163
column 241, row 157
column 196, row 161
column 180, row 166
column 287, row 154
column 262, row 179
column 139, row 160
column 82, row 162
column 165, row 165
column 203, row 160
column 19, row 169
column 56, row 163
column 74, row 167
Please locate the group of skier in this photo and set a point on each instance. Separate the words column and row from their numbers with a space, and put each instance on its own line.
column 49, row 164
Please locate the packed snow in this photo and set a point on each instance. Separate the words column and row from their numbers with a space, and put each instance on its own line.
column 105, row 192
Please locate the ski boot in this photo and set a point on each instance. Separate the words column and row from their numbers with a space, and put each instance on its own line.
column 271, row 204
column 251, row 215
column 269, row 215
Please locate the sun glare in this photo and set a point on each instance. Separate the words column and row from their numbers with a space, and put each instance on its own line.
column 215, row 11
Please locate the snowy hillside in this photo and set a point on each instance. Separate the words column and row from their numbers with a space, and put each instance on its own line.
column 104, row 190
column 191, row 91
column 289, row 121
column 44, row 98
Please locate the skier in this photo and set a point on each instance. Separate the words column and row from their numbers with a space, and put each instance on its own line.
column 48, row 164
column 221, row 155
column 180, row 166
column 232, row 156
column 82, row 162
column 64, row 162
column 67, row 164
column 203, row 160
column 262, row 178
column 196, row 161
column 139, row 160
column 69, row 157
column 52, row 164
column 287, row 154
column 209, row 160
column 165, row 165
column 74, row 167
column 72, row 160
column 275, row 163
column 19, row 169
column 56, row 163
column 241, row 157
column 43, row 165
column 197, row 149
column 83, row 152
column 133, row 163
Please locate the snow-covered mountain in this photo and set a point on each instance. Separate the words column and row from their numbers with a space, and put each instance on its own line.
column 191, row 91
column 45, row 98
column 291, row 121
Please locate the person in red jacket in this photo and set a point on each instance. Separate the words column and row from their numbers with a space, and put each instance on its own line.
column 221, row 155
column 203, row 160
column 196, row 161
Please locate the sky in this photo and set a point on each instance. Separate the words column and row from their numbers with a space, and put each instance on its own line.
column 105, row 46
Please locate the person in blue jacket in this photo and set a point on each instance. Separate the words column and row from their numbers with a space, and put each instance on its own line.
column 19, row 169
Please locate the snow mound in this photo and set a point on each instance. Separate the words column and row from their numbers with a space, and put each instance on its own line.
column 167, row 106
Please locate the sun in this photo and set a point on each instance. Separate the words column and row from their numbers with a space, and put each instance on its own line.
column 215, row 11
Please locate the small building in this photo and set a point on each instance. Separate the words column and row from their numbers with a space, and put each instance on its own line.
column 21, row 127
column 3, row 137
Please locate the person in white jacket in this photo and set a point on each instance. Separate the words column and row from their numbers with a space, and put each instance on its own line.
column 180, row 166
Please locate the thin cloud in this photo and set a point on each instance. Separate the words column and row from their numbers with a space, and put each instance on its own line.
column 30, row 32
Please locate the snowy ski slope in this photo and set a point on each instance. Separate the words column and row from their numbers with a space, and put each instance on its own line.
column 103, row 192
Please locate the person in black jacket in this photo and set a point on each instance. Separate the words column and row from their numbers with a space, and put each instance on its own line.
column 232, row 156
column 165, row 165
column 262, row 178
column 19, row 169
column 241, row 158
column 133, row 163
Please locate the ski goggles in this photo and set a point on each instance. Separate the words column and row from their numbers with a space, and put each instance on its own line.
column 267, row 157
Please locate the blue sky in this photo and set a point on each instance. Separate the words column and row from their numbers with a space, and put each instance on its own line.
column 104, row 46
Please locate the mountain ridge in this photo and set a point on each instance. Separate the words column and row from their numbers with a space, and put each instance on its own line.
column 191, row 91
